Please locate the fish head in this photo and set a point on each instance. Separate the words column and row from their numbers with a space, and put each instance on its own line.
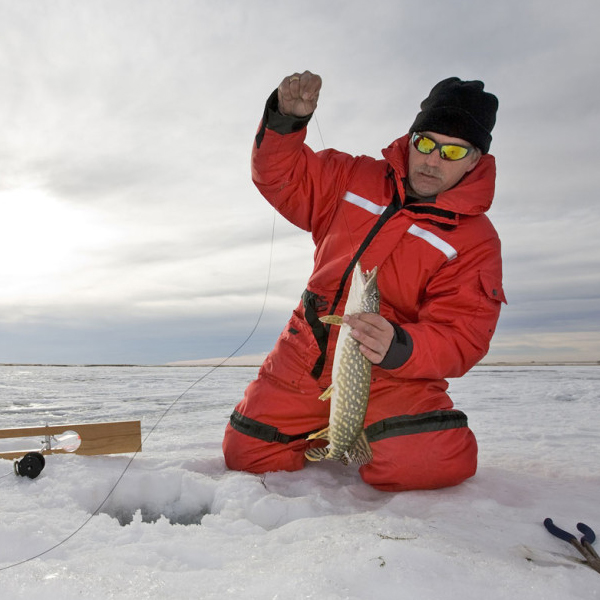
column 364, row 293
column 371, row 292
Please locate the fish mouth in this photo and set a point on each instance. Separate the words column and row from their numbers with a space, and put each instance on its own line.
column 368, row 276
column 369, row 286
column 364, row 291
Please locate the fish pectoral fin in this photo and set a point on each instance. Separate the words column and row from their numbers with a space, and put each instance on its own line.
column 327, row 393
column 316, row 454
column 320, row 435
column 361, row 452
column 331, row 319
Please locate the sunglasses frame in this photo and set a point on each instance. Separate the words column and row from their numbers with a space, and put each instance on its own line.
column 439, row 147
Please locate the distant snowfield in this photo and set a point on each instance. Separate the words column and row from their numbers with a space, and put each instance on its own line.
column 180, row 525
column 249, row 360
column 255, row 360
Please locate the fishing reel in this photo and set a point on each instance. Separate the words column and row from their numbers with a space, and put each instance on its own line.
column 31, row 465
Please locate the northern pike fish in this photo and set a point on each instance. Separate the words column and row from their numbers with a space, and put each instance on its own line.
column 350, row 381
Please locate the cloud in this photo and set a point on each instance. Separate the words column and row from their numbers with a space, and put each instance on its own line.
column 134, row 120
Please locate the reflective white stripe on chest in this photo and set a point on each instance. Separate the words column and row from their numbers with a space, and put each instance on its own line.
column 434, row 240
column 376, row 209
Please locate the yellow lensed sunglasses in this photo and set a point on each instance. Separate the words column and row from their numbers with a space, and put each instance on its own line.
column 426, row 145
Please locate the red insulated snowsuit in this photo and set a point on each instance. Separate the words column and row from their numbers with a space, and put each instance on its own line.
column 440, row 279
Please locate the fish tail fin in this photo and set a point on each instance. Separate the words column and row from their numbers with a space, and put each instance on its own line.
column 361, row 452
column 316, row 454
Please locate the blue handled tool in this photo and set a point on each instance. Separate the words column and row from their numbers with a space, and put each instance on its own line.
column 583, row 546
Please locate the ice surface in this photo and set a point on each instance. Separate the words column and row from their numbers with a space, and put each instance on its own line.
column 179, row 525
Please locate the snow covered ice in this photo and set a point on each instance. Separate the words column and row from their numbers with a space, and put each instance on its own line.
column 180, row 525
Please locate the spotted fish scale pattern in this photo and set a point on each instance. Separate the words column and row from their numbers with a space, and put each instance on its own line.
column 351, row 381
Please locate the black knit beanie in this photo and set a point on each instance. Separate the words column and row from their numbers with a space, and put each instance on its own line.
column 459, row 109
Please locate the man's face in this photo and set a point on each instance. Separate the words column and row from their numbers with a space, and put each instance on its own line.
column 430, row 175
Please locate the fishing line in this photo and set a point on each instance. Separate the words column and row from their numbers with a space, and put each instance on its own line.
column 174, row 403
column 319, row 130
column 164, row 414
column 353, row 244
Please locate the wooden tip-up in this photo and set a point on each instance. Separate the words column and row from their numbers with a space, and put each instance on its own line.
column 115, row 437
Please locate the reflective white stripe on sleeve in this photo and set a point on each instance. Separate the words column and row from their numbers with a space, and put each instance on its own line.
column 364, row 203
column 434, row 240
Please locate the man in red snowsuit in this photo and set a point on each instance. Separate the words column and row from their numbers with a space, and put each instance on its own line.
column 418, row 215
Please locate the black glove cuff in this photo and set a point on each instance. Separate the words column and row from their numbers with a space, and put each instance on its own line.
column 399, row 351
column 281, row 123
column 274, row 120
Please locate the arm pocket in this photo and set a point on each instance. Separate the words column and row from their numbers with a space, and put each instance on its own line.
column 491, row 285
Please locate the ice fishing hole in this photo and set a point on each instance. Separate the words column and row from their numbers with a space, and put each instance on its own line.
column 180, row 497
column 149, row 514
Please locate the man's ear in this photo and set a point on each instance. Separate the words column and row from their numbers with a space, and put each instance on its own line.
column 475, row 158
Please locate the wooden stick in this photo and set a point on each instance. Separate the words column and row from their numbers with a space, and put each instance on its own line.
column 96, row 438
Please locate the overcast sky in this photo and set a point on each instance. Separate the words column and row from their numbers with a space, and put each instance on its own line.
column 130, row 230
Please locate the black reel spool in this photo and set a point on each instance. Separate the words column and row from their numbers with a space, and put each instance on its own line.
column 31, row 465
